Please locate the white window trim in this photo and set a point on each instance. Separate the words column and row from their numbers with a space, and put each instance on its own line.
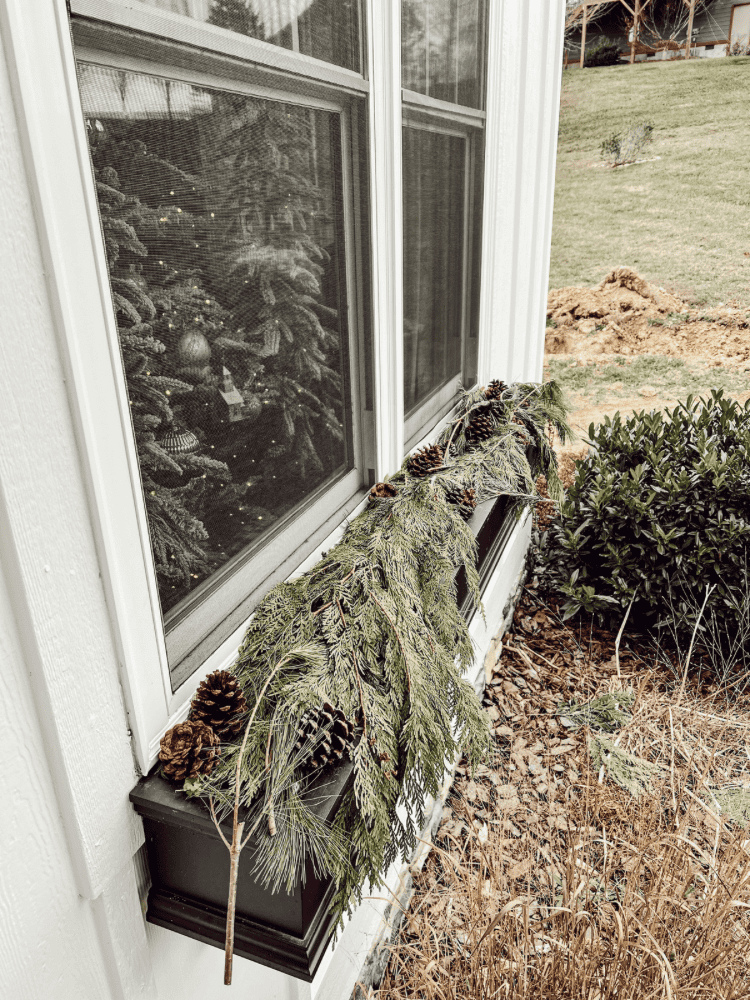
column 67, row 217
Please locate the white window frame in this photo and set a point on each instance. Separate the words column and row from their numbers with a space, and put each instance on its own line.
column 190, row 633
column 447, row 119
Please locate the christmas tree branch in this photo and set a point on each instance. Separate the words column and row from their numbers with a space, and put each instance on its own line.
column 398, row 637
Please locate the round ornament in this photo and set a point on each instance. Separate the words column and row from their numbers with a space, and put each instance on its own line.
column 193, row 349
column 253, row 406
column 179, row 442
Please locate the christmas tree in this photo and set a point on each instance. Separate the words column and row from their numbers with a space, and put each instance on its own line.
column 237, row 15
column 175, row 482
column 273, row 214
column 219, row 242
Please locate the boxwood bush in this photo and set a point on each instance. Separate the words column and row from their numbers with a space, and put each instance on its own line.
column 661, row 506
column 603, row 53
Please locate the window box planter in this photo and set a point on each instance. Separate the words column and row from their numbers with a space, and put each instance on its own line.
column 189, row 868
column 189, row 864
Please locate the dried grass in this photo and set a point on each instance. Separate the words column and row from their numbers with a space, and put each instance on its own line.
column 548, row 880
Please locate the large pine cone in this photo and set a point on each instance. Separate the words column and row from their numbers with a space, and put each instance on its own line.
column 220, row 703
column 337, row 739
column 480, row 428
column 423, row 462
column 188, row 749
column 495, row 389
column 465, row 500
column 383, row 491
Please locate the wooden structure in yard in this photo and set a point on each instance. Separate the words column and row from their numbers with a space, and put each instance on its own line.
column 638, row 10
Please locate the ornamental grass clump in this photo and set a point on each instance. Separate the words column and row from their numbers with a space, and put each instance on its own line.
column 659, row 512
column 627, row 901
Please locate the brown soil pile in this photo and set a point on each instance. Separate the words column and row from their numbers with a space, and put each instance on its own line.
column 627, row 315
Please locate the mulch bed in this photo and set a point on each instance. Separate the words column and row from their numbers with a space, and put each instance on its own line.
column 510, row 817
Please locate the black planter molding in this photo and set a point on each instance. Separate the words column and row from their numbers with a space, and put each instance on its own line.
column 189, row 864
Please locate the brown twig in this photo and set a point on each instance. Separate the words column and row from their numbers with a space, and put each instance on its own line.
column 235, row 848
column 692, row 640
column 330, row 603
column 619, row 635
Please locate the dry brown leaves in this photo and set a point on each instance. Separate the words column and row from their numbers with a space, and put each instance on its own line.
column 547, row 880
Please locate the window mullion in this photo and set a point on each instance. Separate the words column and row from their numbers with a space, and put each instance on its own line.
column 384, row 45
column 499, row 231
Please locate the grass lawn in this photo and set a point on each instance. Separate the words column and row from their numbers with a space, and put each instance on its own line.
column 682, row 221
column 622, row 378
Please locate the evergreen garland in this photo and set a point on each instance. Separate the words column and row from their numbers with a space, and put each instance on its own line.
column 374, row 629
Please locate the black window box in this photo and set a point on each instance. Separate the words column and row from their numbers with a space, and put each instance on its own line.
column 189, row 867
column 189, row 864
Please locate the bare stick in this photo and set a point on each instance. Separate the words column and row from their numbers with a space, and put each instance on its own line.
column 234, row 864
column 674, row 797
column 237, row 829
column 692, row 640
column 619, row 634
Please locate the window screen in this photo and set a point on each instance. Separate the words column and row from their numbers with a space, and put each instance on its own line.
column 442, row 49
column 434, row 191
column 325, row 29
column 222, row 219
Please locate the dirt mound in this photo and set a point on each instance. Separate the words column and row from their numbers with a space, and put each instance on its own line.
column 627, row 315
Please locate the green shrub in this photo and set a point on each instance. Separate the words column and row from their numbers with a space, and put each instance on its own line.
column 661, row 507
column 624, row 147
column 604, row 53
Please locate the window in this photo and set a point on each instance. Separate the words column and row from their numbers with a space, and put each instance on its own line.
column 434, row 183
column 227, row 210
column 442, row 52
column 442, row 45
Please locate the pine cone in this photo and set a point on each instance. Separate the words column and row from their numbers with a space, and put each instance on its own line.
column 423, row 462
column 383, row 491
column 494, row 390
column 220, row 703
column 480, row 428
column 187, row 750
column 338, row 737
column 545, row 509
column 465, row 500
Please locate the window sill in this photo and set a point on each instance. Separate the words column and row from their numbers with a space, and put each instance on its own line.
column 189, row 863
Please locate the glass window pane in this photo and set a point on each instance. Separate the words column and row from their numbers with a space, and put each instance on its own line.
column 434, row 185
column 442, row 49
column 325, row 29
column 329, row 30
column 222, row 219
